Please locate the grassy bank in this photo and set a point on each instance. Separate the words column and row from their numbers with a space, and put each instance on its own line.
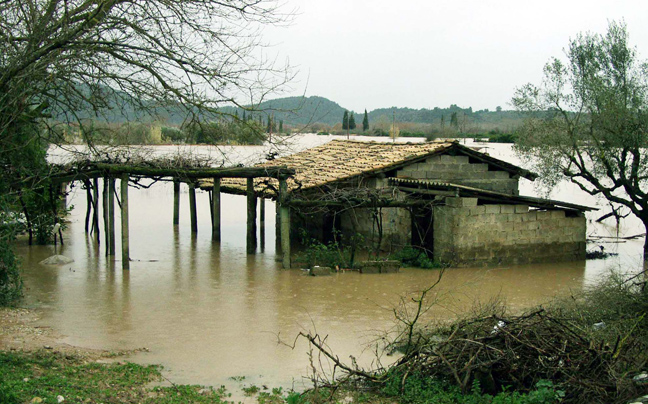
column 49, row 377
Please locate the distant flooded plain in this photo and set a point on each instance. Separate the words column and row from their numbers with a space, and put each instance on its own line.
column 209, row 312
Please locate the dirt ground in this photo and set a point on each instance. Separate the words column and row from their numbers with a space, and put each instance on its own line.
column 19, row 331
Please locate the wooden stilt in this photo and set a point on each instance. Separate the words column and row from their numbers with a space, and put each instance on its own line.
column 192, row 207
column 262, row 223
column 251, row 217
column 124, row 222
column 95, row 208
column 111, row 214
column 176, row 202
column 88, row 185
column 216, row 211
column 106, row 221
column 285, row 223
column 277, row 227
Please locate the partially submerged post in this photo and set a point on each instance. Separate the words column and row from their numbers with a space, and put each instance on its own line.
column 262, row 223
column 251, row 217
column 176, row 202
column 95, row 206
column 216, row 211
column 124, row 222
column 106, row 191
column 111, row 215
column 277, row 226
column 285, row 222
column 192, row 207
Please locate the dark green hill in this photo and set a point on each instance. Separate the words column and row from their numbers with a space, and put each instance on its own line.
column 296, row 111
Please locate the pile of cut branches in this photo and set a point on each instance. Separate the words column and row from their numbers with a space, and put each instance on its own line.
column 516, row 352
column 590, row 346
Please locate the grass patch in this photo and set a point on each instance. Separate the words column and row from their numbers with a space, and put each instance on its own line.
column 46, row 375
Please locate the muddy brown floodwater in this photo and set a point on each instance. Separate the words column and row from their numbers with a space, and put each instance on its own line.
column 208, row 312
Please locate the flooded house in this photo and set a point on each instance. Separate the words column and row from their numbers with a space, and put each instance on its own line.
column 460, row 205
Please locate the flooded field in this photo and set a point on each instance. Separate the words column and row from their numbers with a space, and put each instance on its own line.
column 209, row 312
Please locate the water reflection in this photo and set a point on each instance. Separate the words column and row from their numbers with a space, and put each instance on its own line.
column 208, row 311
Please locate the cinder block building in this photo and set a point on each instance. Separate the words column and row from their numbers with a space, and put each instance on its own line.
column 458, row 204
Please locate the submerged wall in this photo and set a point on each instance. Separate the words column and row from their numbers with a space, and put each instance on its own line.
column 466, row 234
column 459, row 170
column 396, row 227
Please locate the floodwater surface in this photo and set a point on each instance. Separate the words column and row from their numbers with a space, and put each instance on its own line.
column 208, row 311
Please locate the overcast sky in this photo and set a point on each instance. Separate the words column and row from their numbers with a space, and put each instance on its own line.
column 428, row 53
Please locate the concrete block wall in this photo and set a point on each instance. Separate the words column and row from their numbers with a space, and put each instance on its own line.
column 467, row 234
column 396, row 223
column 458, row 170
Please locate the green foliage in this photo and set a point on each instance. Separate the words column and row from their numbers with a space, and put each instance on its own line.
column 345, row 120
column 10, row 280
column 352, row 123
column 173, row 135
column 454, row 122
column 340, row 253
column 317, row 253
column 587, row 120
column 250, row 390
column 422, row 390
column 365, row 122
column 495, row 137
column 230, row 132
column 47, row 375
column 415, row 257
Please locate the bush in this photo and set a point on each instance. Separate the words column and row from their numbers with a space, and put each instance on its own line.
column 10, row 281
column 415, row 257
column 419, row 389
column 317, row 253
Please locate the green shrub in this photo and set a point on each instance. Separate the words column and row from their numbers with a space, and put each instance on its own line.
column 419, row 389
column 415, row 257
column 10, row 280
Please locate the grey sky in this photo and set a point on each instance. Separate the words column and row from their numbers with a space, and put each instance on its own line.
column 427, row 53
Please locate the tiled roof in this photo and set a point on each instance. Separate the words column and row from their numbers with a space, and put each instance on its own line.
column 338, row 160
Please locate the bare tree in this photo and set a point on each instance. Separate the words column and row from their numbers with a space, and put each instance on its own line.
column 61, row 57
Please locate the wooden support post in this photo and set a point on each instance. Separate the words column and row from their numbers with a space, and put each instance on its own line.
column 176, row 202
column 277, row 227
column 124, row 222
column 106, row 221
column 285, row 222
column 111, row 214
column 87, row 184
column 262, row 223
column 192, row 207
column 216, row 211
column 95, row 205
column 251, row 217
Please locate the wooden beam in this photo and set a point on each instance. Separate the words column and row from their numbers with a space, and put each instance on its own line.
column 194, row 173
column 384, row 203
column 251, row 217
column 176, row 202
column 124, row 223
column 192, row 208
column 216, row 211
